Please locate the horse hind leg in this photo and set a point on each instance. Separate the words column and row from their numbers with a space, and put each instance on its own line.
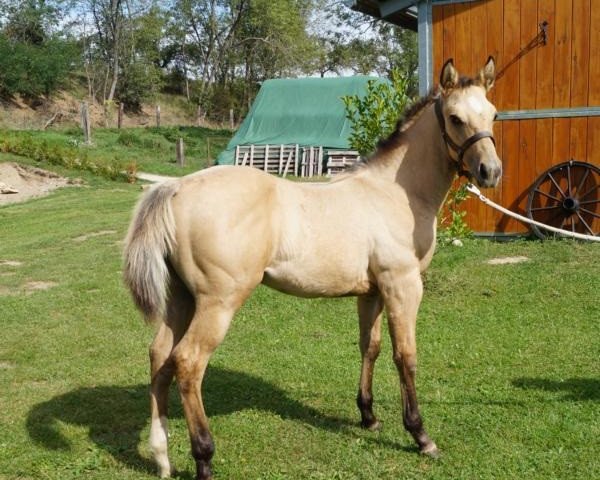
column 370, row 309
column 206, row 331
column 180, row 308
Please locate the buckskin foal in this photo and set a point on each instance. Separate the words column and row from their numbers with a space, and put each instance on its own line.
column 198, row 246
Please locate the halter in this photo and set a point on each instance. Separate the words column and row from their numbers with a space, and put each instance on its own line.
column 460, row 150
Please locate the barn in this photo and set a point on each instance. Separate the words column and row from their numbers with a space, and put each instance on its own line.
column 547, row 94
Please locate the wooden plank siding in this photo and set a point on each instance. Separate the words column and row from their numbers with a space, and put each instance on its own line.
column 564, row 73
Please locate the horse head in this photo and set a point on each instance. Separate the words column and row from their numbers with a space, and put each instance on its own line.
column 466, row 118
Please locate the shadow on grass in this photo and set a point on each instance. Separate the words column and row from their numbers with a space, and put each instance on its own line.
column 116, row 415
column 574, row 388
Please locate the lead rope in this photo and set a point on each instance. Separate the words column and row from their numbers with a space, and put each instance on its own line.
column 475, row 191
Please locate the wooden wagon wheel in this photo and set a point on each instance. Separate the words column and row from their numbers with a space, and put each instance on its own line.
column 566, row 196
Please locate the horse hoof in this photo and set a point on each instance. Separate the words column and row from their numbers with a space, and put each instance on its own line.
column 374, row 426
column 431, row 451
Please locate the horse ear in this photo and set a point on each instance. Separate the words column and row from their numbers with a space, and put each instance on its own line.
column 449, row 75
column 487, row 74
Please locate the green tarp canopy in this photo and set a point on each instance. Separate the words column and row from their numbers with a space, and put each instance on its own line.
column 303, row 111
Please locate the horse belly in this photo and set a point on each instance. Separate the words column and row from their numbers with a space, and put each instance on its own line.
column 317, row 281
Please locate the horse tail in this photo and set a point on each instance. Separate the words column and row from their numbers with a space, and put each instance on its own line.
column 151, row 238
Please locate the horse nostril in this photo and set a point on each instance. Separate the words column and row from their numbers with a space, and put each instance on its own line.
column 483, row 171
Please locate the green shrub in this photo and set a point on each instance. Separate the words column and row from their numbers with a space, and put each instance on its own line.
column 34, row 70
column 24, row 144
column 374, row 116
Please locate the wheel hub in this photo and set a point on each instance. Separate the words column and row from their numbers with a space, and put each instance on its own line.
column 570, row 205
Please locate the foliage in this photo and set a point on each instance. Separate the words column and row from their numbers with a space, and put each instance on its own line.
column 451, row 218
column 374, row 115
column 507, row 378
column 348, row 40
column 41, row 151
column 114, row 151
column 35, row 59
column 215, row 52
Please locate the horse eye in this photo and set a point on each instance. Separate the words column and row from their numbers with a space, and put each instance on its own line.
column 456, row 120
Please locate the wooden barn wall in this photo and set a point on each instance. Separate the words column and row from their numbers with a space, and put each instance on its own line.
column 563, row 73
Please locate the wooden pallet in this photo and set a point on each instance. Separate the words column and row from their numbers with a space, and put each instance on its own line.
column 295, row 160
column 340, row 160
column 277, row 159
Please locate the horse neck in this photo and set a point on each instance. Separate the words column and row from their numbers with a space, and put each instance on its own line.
column 420, row 164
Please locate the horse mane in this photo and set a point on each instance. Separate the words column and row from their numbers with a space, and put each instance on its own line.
column 412, row 112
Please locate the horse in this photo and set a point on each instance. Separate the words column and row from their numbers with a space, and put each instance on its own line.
column 199, row 245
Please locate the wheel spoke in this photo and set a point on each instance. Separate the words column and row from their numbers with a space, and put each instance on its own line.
column 583, row 179
column 587, row 202
column 552, row 220
column 585, row 223
column 594, row 214
column 594, row 188
column 545, row 208
column 556, row 185
column 569, row 191
column 573, row 224
column 547, row 195
column 562, row 224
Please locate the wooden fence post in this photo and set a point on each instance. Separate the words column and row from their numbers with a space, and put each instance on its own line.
column 158, row 116
column 199, row 116
column 180, row 152
column 120, row 115
column 85, row 124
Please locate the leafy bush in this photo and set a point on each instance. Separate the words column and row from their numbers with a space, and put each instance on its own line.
column 374, row 115
column 34, row 70
column 451, row 218
column 138, row 82
column 26, row 145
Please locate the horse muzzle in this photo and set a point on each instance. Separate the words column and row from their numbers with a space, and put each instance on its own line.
column 487, row 172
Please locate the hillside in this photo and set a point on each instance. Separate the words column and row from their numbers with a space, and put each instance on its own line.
column 20, row 114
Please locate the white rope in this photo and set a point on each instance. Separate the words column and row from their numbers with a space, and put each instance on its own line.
column 475, row 191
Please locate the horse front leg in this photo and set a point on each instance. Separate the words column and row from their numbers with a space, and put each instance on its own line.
column 370, row 309
column 402, row 296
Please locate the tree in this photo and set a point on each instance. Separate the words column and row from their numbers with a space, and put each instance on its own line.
column 35, row 58
column 108, row 19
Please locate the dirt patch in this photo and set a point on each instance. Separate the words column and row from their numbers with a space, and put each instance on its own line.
column 10, row 263
column 6, row 292
column 35, row 286
column 507, row 260
column 83, row 238
column 21, row 182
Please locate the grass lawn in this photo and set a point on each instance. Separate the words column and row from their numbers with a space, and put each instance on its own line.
column 509, row 379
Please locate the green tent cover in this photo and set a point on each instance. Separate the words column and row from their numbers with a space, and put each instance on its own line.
column 304, row 111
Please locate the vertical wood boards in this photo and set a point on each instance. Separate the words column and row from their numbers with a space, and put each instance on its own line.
column 564, row 73
column 593, row 141
column 495, row 48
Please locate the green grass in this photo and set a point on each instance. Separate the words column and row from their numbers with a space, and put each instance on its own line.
column 508, row 379
column 150, row 149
